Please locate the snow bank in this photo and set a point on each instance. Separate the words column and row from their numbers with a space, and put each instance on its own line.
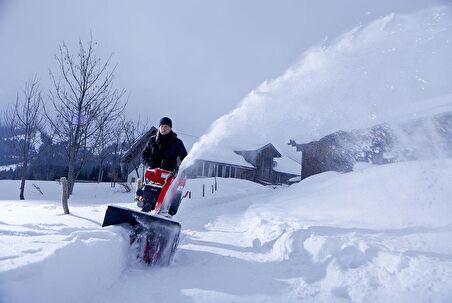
column 380, row 233
column 46, row 256
column 379, row 198
column 399, row 195
column 86, row 262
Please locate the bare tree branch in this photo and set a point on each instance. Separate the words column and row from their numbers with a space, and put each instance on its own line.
column 84, row 101
column 25, row 119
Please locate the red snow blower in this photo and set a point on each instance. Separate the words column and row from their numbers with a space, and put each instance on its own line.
column 154, row 234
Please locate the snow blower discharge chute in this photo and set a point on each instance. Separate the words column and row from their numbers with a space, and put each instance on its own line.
column 154, row 235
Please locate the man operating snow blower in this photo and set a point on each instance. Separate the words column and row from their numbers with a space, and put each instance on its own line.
column 154, row 236
column 161, row 155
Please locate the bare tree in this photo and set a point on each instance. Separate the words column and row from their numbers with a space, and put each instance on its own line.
column 25, row 119
column 83, row 100
column 105, row 138
column 119, row 149
column 134, row 129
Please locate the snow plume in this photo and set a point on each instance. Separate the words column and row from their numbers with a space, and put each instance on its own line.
column 389, row 70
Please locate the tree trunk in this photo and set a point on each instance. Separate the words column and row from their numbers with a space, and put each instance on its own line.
column 65, row 195
column 70, row 180
column 22, row 181
column 71, row 171
column 24, row 171
column 114, row 166
column 100, row 175
column 22, row 187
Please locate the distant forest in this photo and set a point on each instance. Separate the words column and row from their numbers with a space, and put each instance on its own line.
column 48, row 159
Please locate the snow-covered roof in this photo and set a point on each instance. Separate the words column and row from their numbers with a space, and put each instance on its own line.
column 225, row 156
column 287, row 165
column 259, row 148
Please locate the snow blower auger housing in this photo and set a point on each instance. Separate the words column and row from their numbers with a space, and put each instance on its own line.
column 154, row 235
column 154, row 238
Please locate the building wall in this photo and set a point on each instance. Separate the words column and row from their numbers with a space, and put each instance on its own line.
column 203, row 168
column 327, row 154
column 263, row 161
column 380, row 144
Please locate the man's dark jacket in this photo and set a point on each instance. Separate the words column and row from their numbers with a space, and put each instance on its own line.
column 162, row 151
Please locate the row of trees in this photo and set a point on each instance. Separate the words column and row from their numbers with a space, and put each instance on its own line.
column 82, row 118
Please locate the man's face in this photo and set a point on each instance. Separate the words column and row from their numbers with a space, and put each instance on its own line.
column 164, row 129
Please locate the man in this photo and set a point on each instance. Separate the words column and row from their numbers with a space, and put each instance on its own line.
column 162, row 151
column 164, row 148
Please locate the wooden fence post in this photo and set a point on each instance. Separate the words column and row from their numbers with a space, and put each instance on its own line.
column 203, row 190
column 63, row 181
column 216, row 173
column 212, row 189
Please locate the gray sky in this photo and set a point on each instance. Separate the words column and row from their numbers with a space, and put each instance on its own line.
column 191, row 60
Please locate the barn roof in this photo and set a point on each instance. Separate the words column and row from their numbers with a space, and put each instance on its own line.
column 258, row 149
column 251, row 155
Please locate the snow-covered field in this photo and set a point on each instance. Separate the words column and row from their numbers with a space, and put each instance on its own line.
column 373, row 235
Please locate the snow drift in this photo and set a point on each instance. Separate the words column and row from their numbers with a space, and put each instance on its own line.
column 372, row 235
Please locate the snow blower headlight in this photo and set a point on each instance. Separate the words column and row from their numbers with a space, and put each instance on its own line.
column 165, row 175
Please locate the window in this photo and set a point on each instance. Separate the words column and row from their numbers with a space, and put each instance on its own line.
column 232, row 172
column 226, row 173
column 199, row 168
column 206, row 170
column 220, row 170
column 211, row 170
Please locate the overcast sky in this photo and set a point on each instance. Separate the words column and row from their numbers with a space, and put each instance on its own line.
column 191, row 60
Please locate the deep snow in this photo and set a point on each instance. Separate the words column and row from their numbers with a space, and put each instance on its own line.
column 332, row 237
